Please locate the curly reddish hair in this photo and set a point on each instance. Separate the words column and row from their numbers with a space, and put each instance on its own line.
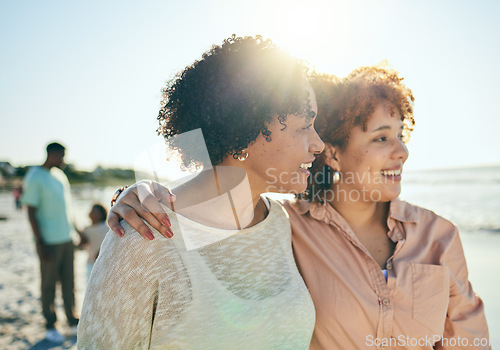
column 349, row 102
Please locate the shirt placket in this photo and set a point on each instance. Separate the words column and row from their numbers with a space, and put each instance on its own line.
column 384, row 330
column 383, row 292
column 386, row 310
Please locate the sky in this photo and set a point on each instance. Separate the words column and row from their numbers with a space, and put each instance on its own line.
column 89, row 74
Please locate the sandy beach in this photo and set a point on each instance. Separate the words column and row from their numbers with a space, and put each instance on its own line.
column 21, row 321
column 22, row 324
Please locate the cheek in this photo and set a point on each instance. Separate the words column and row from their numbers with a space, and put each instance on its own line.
column 376, row 159
column 356, row 161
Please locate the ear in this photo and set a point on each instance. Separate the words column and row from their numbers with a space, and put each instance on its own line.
column 331, row 154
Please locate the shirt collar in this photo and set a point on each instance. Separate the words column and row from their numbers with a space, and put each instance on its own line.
column 322, row 212
column 402, row 211
column 399, row 211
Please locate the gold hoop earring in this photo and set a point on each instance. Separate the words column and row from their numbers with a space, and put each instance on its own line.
column 243, row 156
column 336, row 176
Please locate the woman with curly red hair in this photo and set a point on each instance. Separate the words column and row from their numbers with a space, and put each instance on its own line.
column 382, row 273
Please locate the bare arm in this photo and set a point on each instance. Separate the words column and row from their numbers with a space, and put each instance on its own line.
column 142, row 201
column 34, row 223
column 40, row 244
column 83, row 238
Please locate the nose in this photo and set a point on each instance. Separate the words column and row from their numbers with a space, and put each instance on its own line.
column 400, row 151
column 316, row 145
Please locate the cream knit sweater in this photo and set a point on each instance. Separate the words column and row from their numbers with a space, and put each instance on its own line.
column 241, row 292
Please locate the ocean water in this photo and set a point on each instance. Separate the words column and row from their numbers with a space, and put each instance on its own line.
column 469, row 197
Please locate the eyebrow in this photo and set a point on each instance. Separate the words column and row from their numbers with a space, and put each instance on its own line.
column 385, row 127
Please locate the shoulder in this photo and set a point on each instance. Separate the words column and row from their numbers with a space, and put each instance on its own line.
column 425, row 220
column 418, row 213
column 283, row 209
column 133, row 240
column 134, row 255
column 132, row 248
column 276, row 226
column 276, row 204
column 296, row 206
column 32, row 174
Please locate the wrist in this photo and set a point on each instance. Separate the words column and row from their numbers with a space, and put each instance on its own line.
column 117, row 194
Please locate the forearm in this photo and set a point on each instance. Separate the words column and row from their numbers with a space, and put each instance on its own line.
column 35, row 227
column 81, row 235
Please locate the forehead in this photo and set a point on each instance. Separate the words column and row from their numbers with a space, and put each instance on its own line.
column 59, row 153
column 386, row 114
column 312, row 99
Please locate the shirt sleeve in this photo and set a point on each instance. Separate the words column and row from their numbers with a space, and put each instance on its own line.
column 31, row 192
column 465, row 326
column 121, row 297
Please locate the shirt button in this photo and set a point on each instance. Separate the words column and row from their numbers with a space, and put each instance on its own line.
column 389, row 266
column 386, row 302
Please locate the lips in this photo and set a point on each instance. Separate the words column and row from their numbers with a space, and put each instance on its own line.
column 304, row 167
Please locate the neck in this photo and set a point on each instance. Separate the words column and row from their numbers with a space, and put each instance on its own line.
column 233, row 182
column 221, row 197
column 362, row 216
column 47, row 165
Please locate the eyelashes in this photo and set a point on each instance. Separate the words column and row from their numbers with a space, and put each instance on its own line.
column 384, row 138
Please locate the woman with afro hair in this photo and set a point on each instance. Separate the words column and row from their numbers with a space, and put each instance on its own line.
column 227, row 278
column 383, row 273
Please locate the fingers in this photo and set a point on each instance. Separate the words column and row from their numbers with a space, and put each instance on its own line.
column 122, row 210
column 132, row 217
column 140, row 201
column 150, row 203
column 114, row 222
column 165, row 230
column 164, row 195
column 133, row 212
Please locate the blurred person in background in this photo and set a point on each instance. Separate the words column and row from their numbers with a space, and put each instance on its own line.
column 17, row 193
column 47, row 196
column 94, row 234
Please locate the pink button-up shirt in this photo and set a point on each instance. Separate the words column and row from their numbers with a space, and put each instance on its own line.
column 427, row 301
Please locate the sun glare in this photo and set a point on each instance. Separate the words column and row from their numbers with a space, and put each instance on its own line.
column 300, row 26
column 326, row 33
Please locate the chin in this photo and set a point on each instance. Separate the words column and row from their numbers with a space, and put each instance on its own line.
column 298, row 189
column 389, row 196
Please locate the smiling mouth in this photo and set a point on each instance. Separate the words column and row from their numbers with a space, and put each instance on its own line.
column 306, row 166
column 391, row 172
